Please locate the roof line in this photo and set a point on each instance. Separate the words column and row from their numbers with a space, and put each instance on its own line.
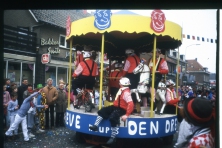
column 34, row 16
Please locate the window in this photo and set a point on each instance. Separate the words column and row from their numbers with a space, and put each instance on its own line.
column 62, row 42
column 22, row 35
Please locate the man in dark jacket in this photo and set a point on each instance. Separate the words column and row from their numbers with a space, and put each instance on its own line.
column 21, row 90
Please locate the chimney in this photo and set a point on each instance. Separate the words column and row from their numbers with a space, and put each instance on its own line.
column 196, row 59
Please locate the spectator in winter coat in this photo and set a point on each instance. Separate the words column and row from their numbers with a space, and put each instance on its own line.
column 200, row 114
column 211, row 92
column 51, row 96
column 28, row 92
column 21, row 90
column 190, row 92
column 61, row 105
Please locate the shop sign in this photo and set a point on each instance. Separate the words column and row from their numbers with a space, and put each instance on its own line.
column 46, row 58
column 68, row 54
column 53, row 51
column 50, row 41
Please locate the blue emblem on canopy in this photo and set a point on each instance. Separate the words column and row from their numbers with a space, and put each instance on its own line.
column 102, row 19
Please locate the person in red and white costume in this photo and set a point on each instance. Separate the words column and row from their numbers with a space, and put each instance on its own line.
column 85, row 73
column 171, row 97
column 79, row 58
column 161, row 68
column 131, row 62
column 171, row 100
column 114, row 79
column 122, row 107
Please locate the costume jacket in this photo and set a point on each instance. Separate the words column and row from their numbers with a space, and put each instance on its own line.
column 124, row 101
column 86, row 68
column 171, row 98
column 114, row 78
column 161, row 65
column 131, row 63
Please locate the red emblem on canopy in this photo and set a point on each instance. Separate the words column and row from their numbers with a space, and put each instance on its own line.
column 158, row 21
column 68, row 26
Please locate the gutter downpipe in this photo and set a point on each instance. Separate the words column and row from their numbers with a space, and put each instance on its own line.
column 33, row 16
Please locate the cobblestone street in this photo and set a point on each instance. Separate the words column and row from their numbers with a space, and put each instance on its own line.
column 64, row 138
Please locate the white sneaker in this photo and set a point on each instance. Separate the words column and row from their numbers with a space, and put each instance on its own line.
column 31, row 135
column 40, row 131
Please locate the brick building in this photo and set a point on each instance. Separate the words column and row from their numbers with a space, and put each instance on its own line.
column 197, row 74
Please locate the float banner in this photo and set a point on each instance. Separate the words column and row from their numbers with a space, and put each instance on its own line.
column 134, row 127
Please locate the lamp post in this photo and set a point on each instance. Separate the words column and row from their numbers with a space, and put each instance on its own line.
column 186, row 57
column 186, row 49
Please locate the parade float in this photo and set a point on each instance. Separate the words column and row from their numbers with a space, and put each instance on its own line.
column 112, row 34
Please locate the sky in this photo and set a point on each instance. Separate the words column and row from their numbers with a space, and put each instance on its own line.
column 200, row 22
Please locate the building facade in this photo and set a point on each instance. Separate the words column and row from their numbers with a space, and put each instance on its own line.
column 28, row 34
column 197, row 74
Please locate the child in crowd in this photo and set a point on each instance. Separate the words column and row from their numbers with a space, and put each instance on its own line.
column 6, row 99
column 13, row 109
column 61, row 105
column 30, row 115
column 14, row 89
column 21, row 117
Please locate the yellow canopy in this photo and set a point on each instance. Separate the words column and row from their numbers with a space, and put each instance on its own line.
column 125, row 31
column 125, row 23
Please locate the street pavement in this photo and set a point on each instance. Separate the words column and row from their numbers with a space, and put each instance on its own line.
column 62, row 137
